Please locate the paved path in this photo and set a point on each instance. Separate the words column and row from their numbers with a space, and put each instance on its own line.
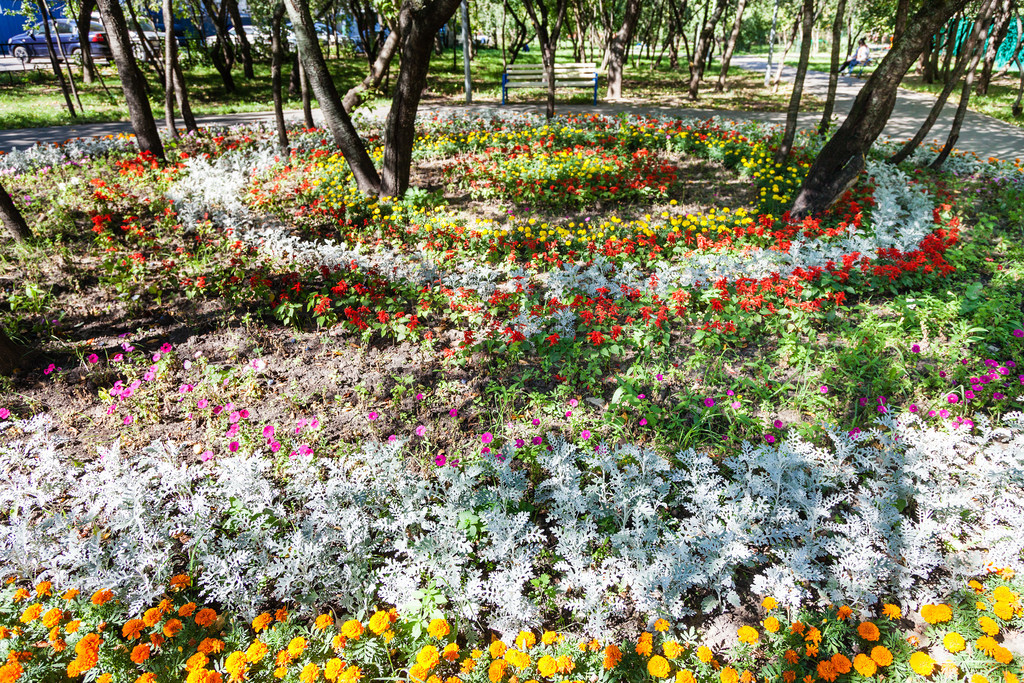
column 981, row 134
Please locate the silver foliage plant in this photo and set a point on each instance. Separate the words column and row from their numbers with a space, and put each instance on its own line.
column 903, row 511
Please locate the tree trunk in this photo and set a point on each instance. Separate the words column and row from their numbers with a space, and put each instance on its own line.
column 730, row 45
column 181, row 92
column 132, row 82
column 63, row 59
column 243, row 39
column 833, row 74
column 170, row 58
column 951, row 46
column 277, row 57
column 354, row 97
column 902, row 12
column 338, row 122
column 842, row 158
column 417, row 24
column 11, row 354
column 85, row 48
column 1016, row 47
column 617, row 48
column 925, row 66
column 968, row 61
column 53, row 58
column 294, row 78
column 1016, row 109
column 793, row 110
column 144, row 46
column 547, row 36
column 785, row 53
column 223, row 53
column 307, row 100
column 703, row 47
column 12, row 218
column 996, row 36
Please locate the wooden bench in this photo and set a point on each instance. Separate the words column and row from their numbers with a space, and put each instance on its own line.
column 579, row 75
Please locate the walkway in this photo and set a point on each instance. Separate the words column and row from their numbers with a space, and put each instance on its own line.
column 981, row 134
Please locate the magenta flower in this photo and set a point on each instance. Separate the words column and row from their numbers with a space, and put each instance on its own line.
column 244, row 414
column 157, row 356
column 372, row 416
column 997, row 396
column 487, row 437
column 233, row 446
column 453, row 412
column 206, row 456
column 573, row 402
column 536, row 421
column 1018, row 333
column 643, row 421
column 863, row 401
column 4, row 413
column 275, row 446
column 440, row 460
column 915, row 349
column 823, row 389
column 778, row 424
column 913, row 407
column 520, row 443
column 393, row 437
column 419, row 397
column 118, row 357
column 268, row 431
column 568, row 413
column 709, row 402
column 735, row 405
column 111, row 408
column 854, row 432
column 537, row 440
column 128, row 419
column 166, row 348
column 953, row 398
column 421, row 430
column 485, row 450
column 770, row 438
column 234, row 417
column 93, row 358
column 202, row 403
column 943, row 413
column 660, row 377
column 585, row 434
column 185, row 388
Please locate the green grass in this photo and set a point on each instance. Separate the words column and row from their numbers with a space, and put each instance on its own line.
column 998, row 103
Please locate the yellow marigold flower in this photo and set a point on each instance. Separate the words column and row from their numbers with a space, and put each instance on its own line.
column 296, row 647
column 152, row 616
column 31, row 613
column 256, row 652
column 388, row 635
column 645, row 644
column 379, row 622
column 140, row 653
column 1002, row 655
column 685, row 676
column 988, row 625
column 352, row 629
column 612, row 656
column 496, row 671
column 841, row 663
column 922, row 664
column 954, row 642
column 936, row 614
column 310, row 673
column 338, row 642
column 196, row 661
column 468, row 664
column 205, row 617
column 772, row 625
column 672, row 649
column 517, row 658
column 978, row 678
column 976, row 585
column 352, row 674
column 747, row 634
column 44, row 589
column 547, row 666
column 661, row 626
column 881, row 655
column 105, row 678
column 52, row 617
column 281, row 614
column 428, row 657
column 332, row 668
column 826, row 671
column 864, row 665
column 565, row 664
column 73, row 626
column 728, row 675
column 1010, row 677
column 658, row 667
column 323, row 621
column 949, row 669
column 1003, row 610
column 418, row 672
column 235, row 665
column 1003, row 594
column 187, row 610
column 986, row 644
column 550, row 637
column 280, row 672
column 868, row 631
column 704, row 654
column 525, row 640
column 497, row 649
column 747, row 676
column 151, row 678
column 769, row 603
column 438, row 628
column 71, row 594
column 980, row 606
column 21, row 594
column 893, row 612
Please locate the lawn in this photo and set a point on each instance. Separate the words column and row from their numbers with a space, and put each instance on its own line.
column 585, row 405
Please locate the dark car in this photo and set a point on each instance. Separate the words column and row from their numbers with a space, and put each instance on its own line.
column 26, row 46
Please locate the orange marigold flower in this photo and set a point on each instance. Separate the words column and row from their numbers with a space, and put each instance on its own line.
column 497, row 649
column 789, row 676
column 256, row 652
column 881, row 655
column 468, row 664
column 922, row 664
column 333, row 668
column 813, row 635
column 73, row 626
column 1009, row 677
column 772, row 625
column 151, row 617
column 797, row 627
column 211, row 646
column 21, row 594
column 450, row 652
column 323, row 621
column 352, row 629
column 296, row 647
column 173, row 627
column 704, row 654
column 936, row 614
column 339, row 641
column 235, row 665
column 517, row 658
column 150, row 677
column 658, row 667
column 280, row 672
column 672, row 649
column 205, row 617
column 844, row 613
column 792, row 657
column 868, row 631
column 428, row 657
column 105, row 678
column 864, row 665
column 281, row 614
column 497, row 670
column 132, row 629
column 728, row 675
column 747, row 634
column 309, row 673
column 986, row 644
column 187, row 610
column 612, row 656
column 893, row 612
column 261, row 622
column 988, row 625
column 976, row 585
column 52, row 617
column 525, row 640
column 71, row 594
column 379, row 622
column 826, row 671
column 685, row 676
column 645, row 644
column 438, row 628
column 44, row 589
column 140, row 653
column 180, row 581
column 841, row 663
column 565, row 664
column 550, row 637
column 101, row 597
column 954, row 642
column 661, row 626
column 1003, row 655
column 31, row 613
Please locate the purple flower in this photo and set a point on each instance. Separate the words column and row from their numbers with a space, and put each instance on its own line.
column 1018, row 333
column 372, row 416
column 915, row 349
column 421, row 430
column 997, row 396
column 778, row 424
column 520, row 443
column 863, row 401
column 440, row 460
column 585, row 434
column 770, row 438
column 709, row 402
column 487, row 437
column 537, row 440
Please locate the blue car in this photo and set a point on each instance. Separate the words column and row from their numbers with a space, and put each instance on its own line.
column 31, row 44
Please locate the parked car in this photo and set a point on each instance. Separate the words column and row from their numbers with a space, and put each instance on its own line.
column 32, row 44
column 154, row 37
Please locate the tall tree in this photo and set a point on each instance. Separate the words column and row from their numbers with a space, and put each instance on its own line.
column 841, row 160
column 968, row 61
column 703, row 46
column 730, row 45
column 996, row 36
column 547, row 22
column 833, row 73
column 242, row 36
column 12, row 218
column 276, row 60
column 45, row 14
column 786, row 146
column 223, row 53
column 84, row 22
column 617, row 48
column 133, row 84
